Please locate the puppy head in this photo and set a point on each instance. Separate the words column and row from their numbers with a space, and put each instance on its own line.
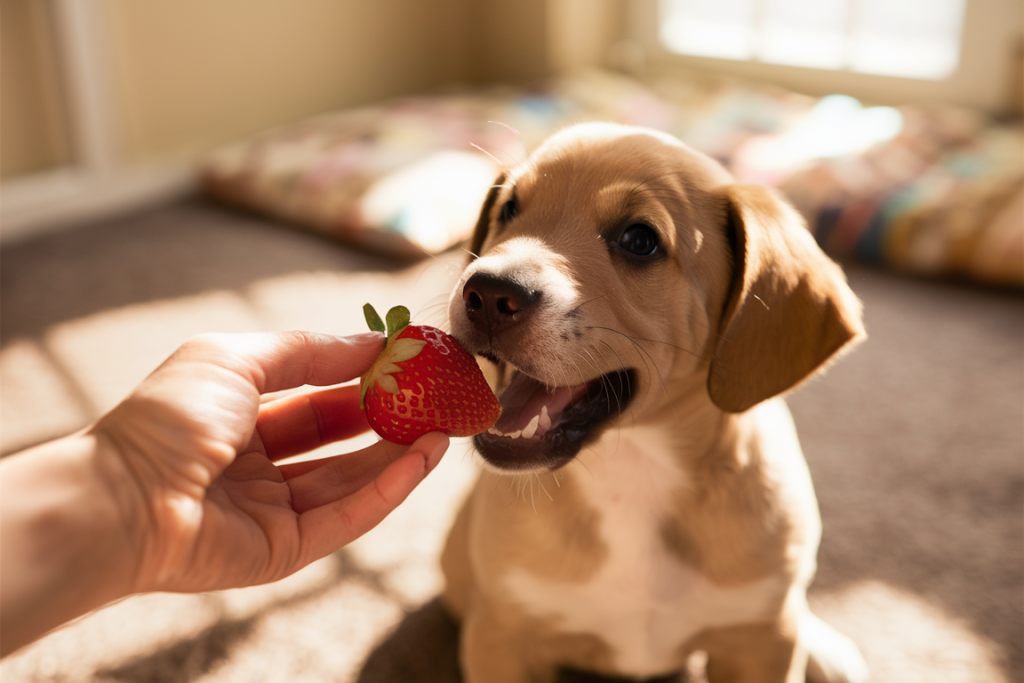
column 607, row 268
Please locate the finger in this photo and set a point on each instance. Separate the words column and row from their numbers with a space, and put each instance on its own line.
column 301, row 423
column 317, row 482
column 326, row 528
column 275, row 361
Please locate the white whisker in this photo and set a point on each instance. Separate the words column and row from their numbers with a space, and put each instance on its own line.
column 542, row 488
column 496, row 159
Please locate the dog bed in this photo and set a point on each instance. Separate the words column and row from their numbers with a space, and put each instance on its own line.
column 929, row 190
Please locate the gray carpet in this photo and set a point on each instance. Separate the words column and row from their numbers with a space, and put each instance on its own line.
column 915, row 443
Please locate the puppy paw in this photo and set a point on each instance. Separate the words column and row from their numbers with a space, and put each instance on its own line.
column 832, row 657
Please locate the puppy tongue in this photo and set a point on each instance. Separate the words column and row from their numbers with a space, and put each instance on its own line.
column 530, row 408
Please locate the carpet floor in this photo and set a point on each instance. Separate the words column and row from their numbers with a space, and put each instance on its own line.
column 915, row 443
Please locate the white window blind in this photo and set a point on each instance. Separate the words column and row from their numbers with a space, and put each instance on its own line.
column 909, row 38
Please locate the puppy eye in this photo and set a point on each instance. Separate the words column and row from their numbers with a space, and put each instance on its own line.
column 509, row 210
column 639, row 240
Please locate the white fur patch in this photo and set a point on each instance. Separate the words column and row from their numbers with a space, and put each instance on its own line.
column 529, row 261
column 643, row 602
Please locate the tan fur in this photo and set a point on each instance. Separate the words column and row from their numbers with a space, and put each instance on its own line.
column 741, row 307
column 499, row 509
column 782, row 323
column 767, row 653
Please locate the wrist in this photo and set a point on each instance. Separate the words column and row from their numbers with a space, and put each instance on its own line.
column 71, row 528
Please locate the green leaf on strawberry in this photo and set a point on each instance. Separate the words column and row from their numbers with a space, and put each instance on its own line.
column 423, row 381
column 373, row 320
column 398, row 318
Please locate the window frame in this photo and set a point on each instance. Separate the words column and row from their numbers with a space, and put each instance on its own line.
column 988, row 76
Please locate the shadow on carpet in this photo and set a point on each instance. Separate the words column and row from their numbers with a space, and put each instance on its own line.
column 423, row 648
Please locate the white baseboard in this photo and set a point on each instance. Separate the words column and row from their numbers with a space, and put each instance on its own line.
column 100, row 184
column 69, row 198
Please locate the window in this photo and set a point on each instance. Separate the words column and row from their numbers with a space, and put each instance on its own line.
column 908, row 38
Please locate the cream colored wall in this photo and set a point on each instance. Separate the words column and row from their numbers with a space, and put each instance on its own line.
column 32, row 131
column 190, row 74
column 508, row 39
column 582, row 33
column 193, row 73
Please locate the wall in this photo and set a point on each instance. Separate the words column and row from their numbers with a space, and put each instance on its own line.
column 33, row 131
column 149, row 85
column 193, row 73
column 190, row 74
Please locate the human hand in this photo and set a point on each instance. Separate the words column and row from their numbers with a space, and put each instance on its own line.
column 176, row 489
column 210, row 508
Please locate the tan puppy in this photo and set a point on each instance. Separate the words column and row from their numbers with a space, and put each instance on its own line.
column 645, row 496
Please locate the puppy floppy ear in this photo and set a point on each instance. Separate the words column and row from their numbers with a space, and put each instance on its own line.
column 790, row 310
column 476, row 242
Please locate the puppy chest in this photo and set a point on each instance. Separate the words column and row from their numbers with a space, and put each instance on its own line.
column 643, row 601
column 644, row 609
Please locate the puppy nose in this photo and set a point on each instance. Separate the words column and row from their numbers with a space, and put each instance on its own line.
column 494, row 303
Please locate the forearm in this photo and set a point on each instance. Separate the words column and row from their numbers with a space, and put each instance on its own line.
column 64, row 545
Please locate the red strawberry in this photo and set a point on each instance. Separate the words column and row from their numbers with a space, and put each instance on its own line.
column 423, row 382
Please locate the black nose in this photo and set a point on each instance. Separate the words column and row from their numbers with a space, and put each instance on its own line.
column 494, row 303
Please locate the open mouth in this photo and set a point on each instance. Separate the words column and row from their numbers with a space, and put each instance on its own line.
column 543, row 426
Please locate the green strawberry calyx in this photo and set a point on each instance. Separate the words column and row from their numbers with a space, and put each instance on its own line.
column 395, row 351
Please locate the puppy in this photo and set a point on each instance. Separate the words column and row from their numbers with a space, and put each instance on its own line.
column 644, row 496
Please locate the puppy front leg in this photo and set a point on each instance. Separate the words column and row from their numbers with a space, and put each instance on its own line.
column 831, row 656
column 491, row 653
column 754, row 653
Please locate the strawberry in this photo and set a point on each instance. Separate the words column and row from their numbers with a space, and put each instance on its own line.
column 423, row 381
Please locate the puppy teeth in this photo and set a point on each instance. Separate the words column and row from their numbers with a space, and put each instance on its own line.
column 540, row 422
column 531, row 429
